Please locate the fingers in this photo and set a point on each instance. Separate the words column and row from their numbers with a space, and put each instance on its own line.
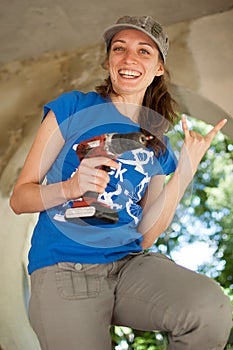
column 91, row 177
column 209, row 137
column 185, row 126
column 97, row 162
column 213, row 132
column 195, row 135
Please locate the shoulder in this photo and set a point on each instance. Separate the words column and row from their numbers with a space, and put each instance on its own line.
column 71, row 102
column 68, row 104
column 76, row 99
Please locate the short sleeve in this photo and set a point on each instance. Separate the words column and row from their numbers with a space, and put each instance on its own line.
column 167, row 160
column 63, row 107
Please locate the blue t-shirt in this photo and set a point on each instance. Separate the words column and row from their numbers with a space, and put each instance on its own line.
column 81, row 116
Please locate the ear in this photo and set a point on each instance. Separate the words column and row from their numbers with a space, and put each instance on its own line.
column 159, row 70
column 105, row 64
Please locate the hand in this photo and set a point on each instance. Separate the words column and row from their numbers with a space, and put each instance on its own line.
column 195, row 146
column 89, row 177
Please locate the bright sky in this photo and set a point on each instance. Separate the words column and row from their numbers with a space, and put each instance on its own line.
column 193, row 255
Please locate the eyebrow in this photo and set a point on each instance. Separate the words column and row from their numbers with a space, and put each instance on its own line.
column 145, row 43
column 124, row 42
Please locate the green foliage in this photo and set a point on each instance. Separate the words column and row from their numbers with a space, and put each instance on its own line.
column 132, row 339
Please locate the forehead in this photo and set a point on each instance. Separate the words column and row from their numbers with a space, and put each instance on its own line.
column 135, row 35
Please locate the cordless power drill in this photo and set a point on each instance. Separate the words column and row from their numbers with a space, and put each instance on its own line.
column 110, row 146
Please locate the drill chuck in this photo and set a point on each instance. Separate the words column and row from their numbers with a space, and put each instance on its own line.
column 117, row 144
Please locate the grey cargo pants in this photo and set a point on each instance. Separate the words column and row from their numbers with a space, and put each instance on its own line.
column 73, row 305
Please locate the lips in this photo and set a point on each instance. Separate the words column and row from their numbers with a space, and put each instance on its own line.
column 129, row 74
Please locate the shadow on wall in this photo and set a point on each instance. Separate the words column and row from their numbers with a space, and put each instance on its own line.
column 24, row 88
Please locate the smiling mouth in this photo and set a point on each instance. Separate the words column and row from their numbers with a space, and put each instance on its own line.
column 129, row 74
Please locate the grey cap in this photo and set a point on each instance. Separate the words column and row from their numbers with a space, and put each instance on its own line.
column 145, row 24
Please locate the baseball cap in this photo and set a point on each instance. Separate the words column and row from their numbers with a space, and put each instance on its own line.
column 145, row 24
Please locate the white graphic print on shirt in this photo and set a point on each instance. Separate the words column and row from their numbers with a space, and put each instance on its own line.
column 132, row 178
column 139, row 159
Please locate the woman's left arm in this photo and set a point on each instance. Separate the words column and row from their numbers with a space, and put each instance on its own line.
column 160, row 202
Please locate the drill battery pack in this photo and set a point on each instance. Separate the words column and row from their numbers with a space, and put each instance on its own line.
column 91, row 208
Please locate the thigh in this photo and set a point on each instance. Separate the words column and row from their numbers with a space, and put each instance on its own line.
column 153, row 293
column 71, row 307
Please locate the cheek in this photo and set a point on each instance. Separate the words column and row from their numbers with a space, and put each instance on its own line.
column 153, row 68
column 151, row 72
column 112, row 67
column 112, row 73
column 112, row 64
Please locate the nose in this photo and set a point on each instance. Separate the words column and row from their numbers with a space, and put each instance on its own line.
column 130, row 57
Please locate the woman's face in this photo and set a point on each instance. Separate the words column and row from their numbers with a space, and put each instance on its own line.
column 133, row 63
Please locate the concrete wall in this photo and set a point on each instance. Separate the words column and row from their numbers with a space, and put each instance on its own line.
column 201, row 64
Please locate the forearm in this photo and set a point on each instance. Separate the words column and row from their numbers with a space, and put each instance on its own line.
column 157, row 218
column 32, row 198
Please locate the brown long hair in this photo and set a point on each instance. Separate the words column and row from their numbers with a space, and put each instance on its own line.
column 157, row 114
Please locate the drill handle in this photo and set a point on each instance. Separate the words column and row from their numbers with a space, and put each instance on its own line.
column 90, row 195
column 106, row 168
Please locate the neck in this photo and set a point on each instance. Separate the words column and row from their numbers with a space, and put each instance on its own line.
column 127, row 106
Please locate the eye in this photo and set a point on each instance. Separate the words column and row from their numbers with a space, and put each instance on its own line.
column 118, row 48
column 144, row 51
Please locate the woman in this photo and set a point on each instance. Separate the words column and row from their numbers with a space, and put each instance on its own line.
column 87, row 275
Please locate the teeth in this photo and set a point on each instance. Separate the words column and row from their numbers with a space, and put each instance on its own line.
column 129, row 73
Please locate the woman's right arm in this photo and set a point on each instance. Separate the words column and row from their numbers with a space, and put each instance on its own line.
column 30, row 195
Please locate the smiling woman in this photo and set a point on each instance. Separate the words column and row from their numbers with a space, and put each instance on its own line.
column 94, row 273
column 137, row 75
column 133, row 64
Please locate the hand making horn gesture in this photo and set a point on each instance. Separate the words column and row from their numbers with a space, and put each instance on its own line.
column 195, row 146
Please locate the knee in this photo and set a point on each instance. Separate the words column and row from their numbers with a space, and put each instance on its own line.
column 203, row 309
column 214, row 305
column 210, row 311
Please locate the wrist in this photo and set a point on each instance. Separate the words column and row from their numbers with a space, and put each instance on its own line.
column 183, row 178
column 68, row 192
column 65, row 190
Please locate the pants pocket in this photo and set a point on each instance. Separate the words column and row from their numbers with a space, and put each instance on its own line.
column 73, row 284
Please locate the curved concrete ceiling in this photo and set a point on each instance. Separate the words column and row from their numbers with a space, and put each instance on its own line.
column 28, row 29
column 48, row 47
